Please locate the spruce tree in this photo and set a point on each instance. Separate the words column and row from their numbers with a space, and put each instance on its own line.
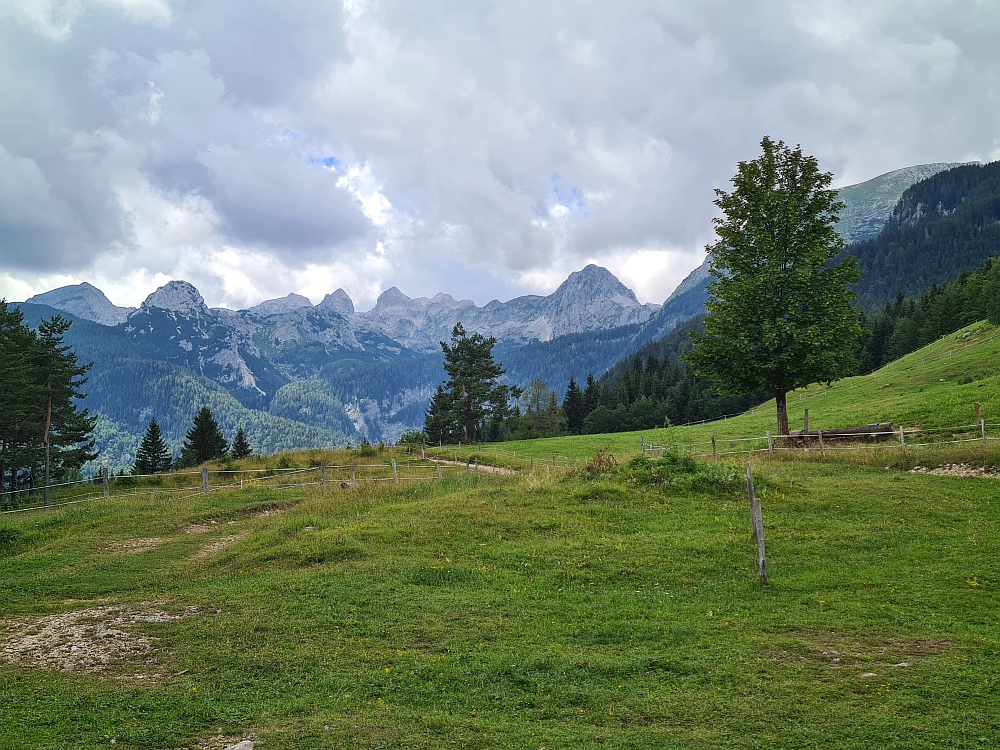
column 591, row 393
column 204, row 441
column 152, row 456
column 241, row 447
column 473, row 399
column 575, row 408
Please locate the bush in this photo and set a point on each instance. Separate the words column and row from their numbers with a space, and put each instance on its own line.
column 672, row 472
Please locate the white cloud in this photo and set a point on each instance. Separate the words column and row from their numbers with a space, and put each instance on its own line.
column 480, row 148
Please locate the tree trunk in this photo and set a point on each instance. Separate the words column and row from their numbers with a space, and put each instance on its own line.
column 779, row 400
column 48, row 427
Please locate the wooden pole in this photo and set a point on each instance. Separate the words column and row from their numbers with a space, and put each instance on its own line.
column 204, row 480
column 104, row 482
column 438, row 467
column 757, row 522
column 902, row 440
column 322, row 474
column 805, row 421
column 353, row 482
column 715, row 456
column 770, row 447
column 467, row 459
column 395, row 474
column 979, row 412
column 642, row 445
column 822, row 452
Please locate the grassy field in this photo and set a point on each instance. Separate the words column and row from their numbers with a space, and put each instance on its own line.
column 561, row 611
column 554, row 609
column 926, row 389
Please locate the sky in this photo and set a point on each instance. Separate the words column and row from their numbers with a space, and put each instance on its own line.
column 484, row 149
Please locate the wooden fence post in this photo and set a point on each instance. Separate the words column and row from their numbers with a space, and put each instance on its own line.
column 438, row 467
column 642, row 445
column 422, row 453
column 822, row 452
column 715, row 456
column 770, row 447
column 322, row 474
column 104, row 482
column 353, row 480
column 757, row 522
column 395, row 474
column 204, row 480
column 902, row 441
column 805, row 421
column 979, row 412
column 467, row 459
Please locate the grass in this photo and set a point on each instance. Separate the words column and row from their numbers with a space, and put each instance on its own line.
column 931, row 388
column 568, row 611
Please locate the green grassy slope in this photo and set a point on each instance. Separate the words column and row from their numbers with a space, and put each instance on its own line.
column 527, row 612
column 921, row 390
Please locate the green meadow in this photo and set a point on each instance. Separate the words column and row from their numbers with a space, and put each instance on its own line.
column 614, row 604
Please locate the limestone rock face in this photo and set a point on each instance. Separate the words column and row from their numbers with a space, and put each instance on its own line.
column 84, row 301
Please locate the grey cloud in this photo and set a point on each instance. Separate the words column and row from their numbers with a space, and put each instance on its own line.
column 509, row 137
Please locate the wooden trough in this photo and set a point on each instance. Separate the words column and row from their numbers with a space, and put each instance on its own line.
column 869, row 433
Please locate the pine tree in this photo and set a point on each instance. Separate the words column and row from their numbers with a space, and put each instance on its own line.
column 780, row 314
column 241, row 447
column 204, row 441
column 474, row 400
column 591, row 393
column 439, row 420
column 575, row 408
column 152, row 456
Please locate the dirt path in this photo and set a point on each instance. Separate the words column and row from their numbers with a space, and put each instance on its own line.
column 474, row 467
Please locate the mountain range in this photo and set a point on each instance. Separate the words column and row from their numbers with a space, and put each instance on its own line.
column 298, row 375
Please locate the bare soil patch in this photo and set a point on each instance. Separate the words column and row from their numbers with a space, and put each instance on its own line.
column 958, row 470
column 87, row 640
column 866, row 655
column 215, row 547
column 133, row 546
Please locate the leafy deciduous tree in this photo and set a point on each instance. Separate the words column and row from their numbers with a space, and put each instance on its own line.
column 780, row 314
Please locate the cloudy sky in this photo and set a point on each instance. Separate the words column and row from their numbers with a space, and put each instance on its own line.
column 484, row 149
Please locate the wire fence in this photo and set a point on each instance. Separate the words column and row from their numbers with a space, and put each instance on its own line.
column 885, row 437
column 188, row 484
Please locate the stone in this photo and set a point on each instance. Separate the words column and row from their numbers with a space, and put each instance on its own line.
column 244, row 745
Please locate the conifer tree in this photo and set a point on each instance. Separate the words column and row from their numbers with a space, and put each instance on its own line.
column 590, row 394
column 204, row 441
column 575, row 408
column 152, row 456
column 241, row 447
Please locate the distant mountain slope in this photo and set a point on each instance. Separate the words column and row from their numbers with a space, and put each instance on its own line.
column 870, row 203
column 84, row 301
column 944, row 225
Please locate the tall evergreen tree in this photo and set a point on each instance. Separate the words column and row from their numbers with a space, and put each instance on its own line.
column 476, row 403
column 590, row 395
column 439, row 420
column 241, row 446
column 204, row 441
column 152, row 456
column 43, row 435
column 575, row 408
column 780, row 314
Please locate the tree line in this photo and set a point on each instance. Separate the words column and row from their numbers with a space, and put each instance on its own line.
column 44, row 436
column 203, row 442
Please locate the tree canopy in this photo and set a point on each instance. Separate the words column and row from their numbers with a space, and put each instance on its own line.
column 153, row 455
column 779, row 312
column 472, row 404
column 44, row 436
column 204, row 441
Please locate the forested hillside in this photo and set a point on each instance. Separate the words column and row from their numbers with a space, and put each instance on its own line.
column 941, row 226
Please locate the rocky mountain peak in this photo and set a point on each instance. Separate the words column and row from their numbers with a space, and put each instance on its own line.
column 284, row 304
column 177, row 296
column 594, row 281
column 84, row 301
column 391, row 297
column 339, row 302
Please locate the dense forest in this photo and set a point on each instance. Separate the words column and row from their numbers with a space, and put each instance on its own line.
column 44, row 437
column 942, row 225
